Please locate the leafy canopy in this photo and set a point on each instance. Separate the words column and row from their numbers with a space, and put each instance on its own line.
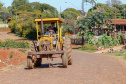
column 108, row 11
column 1, row 5
column 97, row 19
column 70, row 13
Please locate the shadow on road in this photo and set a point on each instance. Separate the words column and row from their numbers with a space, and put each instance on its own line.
column 48, row 65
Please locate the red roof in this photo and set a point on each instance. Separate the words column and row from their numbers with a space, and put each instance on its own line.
column 119, row 21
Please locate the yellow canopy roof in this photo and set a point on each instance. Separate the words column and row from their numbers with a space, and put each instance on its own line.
column 49, row 20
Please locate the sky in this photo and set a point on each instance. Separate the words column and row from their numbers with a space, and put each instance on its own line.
column 61, row 5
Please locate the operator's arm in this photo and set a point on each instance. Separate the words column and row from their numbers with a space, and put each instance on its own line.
column 47, row 33
column 54, row 32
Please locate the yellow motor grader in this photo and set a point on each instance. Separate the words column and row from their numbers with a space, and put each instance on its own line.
column 48, row 45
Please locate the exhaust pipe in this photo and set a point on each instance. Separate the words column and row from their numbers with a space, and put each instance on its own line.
column 42, row 29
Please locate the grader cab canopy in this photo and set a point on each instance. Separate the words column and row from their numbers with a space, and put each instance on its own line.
column 50, row 20
column 41, row 21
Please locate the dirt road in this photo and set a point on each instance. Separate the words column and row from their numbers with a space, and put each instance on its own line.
column 87, row 68
column 4, row 35
column 3, row 25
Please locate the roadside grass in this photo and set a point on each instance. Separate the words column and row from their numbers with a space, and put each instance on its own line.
column 11, row 55
column 88, row 48
column 3, row 27
column 1, row 21
column 120, row 53
column 80, row 49
column 8, row 43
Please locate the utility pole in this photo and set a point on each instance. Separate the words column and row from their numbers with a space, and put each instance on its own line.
column 60, row 11
column 124, row 13
column 82, row 7
column 82, row 15
column 115, row 18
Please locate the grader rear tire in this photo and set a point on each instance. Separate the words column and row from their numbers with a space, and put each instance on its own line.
column 30, row 63
column 67, row 58
column 68, row 47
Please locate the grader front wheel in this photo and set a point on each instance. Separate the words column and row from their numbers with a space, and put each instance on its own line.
column 30, row 63
column 67, row 57
column 68, row 47
column 65, row 60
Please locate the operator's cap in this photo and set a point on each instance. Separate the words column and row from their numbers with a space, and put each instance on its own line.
column 50, row 27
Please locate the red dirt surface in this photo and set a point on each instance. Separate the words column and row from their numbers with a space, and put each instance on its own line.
column 5, row 30
column 11, row 57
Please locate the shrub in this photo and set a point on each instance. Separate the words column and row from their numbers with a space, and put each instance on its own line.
column 14, row 44
column 11, row 55
column 107, row 41
column 119, row 38
column 24, row 25
column 87, row 46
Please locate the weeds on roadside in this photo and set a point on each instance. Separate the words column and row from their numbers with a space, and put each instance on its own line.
column 88, row 47
column 22, row 50
column 8, row 43
column 120, row 53
column 11, row 54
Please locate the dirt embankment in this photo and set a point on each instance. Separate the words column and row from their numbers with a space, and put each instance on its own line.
column 11, row 57
column 5, row 30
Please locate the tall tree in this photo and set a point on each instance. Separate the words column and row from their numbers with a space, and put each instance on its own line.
column 108, row 3
column 1, row 5
column 49, row 11
column 108, row 11
column 97, row 19
column 19, row 2
column 115, row 2
column 70, row 13
column 4, row 14
column 122, row 9
column 16, row 4
column 87, row 1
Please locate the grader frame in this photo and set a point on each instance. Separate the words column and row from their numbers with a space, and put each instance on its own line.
column 46, row 48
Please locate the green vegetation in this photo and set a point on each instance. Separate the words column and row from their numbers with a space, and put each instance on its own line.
column 70, row 15
column 4, row 14
column 23, row 20
column 11, row 55
column 88, row 47
column 106, row 41
column 24, row 26
column 1, row 5
column 22, row 50
column 13, row 44
column 120, row 53
column 109, row 10
column 94, row 20
column 24, row 13
column 3, row 27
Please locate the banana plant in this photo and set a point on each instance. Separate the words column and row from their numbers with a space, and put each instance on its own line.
column 97, row 19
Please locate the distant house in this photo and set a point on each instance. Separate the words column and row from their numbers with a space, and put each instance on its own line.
column 120, row 24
